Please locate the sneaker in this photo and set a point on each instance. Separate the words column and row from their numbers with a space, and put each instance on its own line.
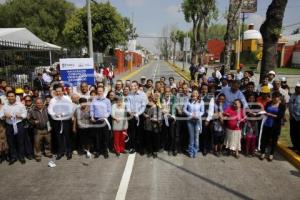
column 270, row 158
column 262, row 156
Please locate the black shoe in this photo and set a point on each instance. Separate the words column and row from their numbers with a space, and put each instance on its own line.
column 106, row 155
column 30, row 157
column 132, row 151
column 59, row 156
column 204, row 152
column 142, row 152
column 118, row 155
column 22, row 161
column 155, row 155
column 175, row 153
column 69, row 156
column 2, row 159
column 169, row 153
column 97, row 155
column 12, row 161
column 49, row 156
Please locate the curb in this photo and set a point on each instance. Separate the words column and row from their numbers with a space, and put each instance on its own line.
column 290, row 155
column 134, row 72
column 178, row 71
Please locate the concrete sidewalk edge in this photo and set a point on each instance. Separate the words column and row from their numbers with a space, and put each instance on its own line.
column 178, row 71
column 290, row 155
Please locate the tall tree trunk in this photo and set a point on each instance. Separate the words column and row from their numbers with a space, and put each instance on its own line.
column 205, row 29
column 232, row 18
column 174, row 51
column 271, row 30
column 194, row 43
column 198, row 44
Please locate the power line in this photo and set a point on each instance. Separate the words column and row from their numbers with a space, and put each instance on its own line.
column 290, row 25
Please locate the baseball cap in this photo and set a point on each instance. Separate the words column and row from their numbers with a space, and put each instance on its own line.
column 272, row 72
column 265, row 89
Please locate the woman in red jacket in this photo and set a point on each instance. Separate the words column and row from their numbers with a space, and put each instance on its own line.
column 234, row 117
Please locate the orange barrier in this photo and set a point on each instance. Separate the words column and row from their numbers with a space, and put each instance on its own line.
column 123, row 64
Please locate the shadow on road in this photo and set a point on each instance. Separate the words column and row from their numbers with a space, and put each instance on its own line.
column 236, row 193
column 295, row 173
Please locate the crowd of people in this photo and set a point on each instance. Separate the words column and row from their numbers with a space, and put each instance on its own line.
column 218, row 113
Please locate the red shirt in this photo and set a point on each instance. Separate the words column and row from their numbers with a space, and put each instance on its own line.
column 235, row 118
column 263, row 101
column 105, row 72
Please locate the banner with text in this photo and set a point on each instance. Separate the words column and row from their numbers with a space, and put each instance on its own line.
column 76, row 70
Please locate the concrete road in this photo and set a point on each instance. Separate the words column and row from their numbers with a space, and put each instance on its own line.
column 136, row 177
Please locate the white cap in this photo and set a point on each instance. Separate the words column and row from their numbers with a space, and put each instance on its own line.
column 298, row 84
column 272, row 72
column 283, row 79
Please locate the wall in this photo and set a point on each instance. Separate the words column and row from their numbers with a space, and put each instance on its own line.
column 122, row 64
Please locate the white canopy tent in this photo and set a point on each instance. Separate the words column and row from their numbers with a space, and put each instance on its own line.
column 22, row 37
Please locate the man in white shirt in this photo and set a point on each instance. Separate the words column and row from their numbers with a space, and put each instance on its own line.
column 61, row 110
column 14, row 113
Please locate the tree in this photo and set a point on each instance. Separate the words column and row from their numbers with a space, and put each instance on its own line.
column 108, row 27
column 164, row 43
column 232, row 19
column 199, row 12
column 45, row 18
column 130, row 32
column 271, row 30
column 177, row 37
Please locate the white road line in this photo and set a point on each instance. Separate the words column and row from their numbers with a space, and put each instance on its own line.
column 121, row 194
column 154, row 75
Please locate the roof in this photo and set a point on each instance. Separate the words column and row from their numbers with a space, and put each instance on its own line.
column 17, row 36
column 252, row 35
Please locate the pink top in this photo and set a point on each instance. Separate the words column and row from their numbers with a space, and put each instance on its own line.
column 235, row 119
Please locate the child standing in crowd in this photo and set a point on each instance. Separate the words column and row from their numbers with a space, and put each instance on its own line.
column 194, row 109
column 120, row 125
column 235, row 117
column 217, row 126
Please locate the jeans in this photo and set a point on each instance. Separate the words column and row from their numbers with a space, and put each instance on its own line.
column 194, row 131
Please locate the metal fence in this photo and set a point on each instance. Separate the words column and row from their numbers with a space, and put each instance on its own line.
column 17, row 64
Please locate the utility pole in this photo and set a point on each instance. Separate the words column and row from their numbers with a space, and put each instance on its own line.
column 239, row 39
column 90, row 34
column 242, row 33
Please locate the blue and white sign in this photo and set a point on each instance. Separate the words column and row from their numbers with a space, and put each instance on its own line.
column 76, row 70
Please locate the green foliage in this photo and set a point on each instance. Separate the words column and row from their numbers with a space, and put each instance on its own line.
column 248, row 57
column 109, row 28
column 45, row 18
column 216, row 31
column 130, row 32
column 200, row 13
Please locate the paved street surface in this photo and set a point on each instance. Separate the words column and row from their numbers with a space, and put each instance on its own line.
column 165, row 178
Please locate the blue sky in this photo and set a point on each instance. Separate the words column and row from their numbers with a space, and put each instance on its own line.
column 150, row 16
